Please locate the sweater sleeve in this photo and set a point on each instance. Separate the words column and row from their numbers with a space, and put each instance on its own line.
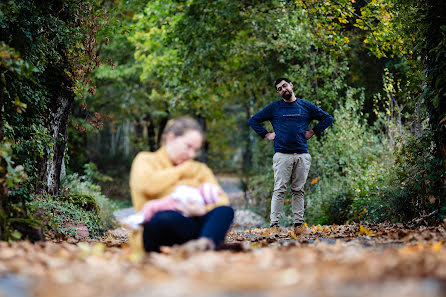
column 154, row 206
column 325, row 120
column 146, row 178
column 256, row 120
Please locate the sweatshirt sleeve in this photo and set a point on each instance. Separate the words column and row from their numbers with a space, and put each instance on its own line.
column 154, row 206
column 256, row 120
column 325, row 120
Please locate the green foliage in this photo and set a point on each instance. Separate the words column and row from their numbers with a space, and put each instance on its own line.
column 12, row 175
column 414, row 186
column 342, row 157
column 92, row 173
column 47, row 50
column 386, row 24
column 260, row 192
column 80, row 202
column 13, row 210
column 358, row 172
column 411, row 189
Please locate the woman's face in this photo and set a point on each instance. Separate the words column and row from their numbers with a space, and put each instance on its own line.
column 184, row 147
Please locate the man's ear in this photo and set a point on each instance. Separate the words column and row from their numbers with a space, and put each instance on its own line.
column 291, row 85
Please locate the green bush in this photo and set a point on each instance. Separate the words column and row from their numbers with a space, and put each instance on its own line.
column 260, row 189
column 408, row 188
column 81, row 201
column 343, row 159
column 419, row 174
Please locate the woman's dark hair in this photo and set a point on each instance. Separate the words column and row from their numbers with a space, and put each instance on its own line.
column 180, row 126
column 280, row 79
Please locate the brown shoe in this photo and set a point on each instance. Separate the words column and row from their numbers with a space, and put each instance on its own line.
column 193, row 246
column 274, row 227
column 300, row 229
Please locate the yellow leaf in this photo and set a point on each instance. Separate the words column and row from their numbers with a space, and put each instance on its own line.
column 437, row 246
column 136, row 257
column 364, row 231
column 317, row 228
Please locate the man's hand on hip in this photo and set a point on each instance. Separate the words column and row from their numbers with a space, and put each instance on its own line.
column 270, row 136
column 309, row 134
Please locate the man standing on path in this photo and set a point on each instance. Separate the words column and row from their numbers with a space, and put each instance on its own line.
column 290, row 118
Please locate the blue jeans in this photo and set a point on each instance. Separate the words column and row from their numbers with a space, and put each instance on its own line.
column 167, row 228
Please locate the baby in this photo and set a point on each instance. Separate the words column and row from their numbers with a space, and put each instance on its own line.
column 206, row 193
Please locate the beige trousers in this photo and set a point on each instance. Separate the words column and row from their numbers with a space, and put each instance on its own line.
column 289, row 169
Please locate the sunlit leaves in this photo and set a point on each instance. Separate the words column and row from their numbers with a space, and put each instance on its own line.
column 384, row 23
column 364, row 231
column 328, row 19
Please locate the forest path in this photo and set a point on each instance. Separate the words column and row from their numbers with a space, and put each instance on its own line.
column 347, row 260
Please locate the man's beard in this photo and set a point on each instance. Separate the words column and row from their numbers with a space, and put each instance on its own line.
column 287, row 95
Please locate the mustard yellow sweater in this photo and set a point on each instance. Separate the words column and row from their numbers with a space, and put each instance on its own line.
column 154, row 176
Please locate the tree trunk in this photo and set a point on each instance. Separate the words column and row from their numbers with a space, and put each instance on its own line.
column 151, row 134
column 247, row 152
column 435, row 68
column 50, row 166
column 126, row 138
column 3, row 170
column 205, row 151
column 115, row 138
column 417, row 127
column 162, row 125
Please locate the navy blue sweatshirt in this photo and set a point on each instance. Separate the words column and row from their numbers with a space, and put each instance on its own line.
column 290, row 122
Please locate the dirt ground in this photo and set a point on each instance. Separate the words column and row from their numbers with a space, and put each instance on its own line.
column 346, row 260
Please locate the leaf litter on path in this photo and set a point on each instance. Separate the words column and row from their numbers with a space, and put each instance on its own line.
column 345, row 260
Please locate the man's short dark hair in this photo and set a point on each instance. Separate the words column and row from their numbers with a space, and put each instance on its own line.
column 280, row 79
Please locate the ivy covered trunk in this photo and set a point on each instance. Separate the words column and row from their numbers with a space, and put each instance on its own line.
column 50, row 165
column 3, row 170
column 435, row 66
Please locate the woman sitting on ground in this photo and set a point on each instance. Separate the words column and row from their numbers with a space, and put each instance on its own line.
column 159, row 174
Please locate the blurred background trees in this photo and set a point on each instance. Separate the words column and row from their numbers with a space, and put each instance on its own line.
column 89, row 82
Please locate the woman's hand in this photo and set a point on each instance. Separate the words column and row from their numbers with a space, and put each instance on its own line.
column 191, row 209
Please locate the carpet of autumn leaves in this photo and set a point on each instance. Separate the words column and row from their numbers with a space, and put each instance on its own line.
column 345, row 260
